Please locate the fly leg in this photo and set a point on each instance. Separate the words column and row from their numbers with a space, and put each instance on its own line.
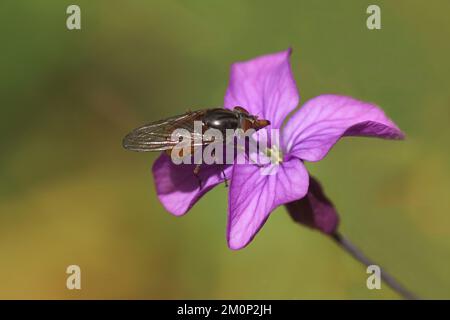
column 196, row 174
column 222, row 169
column 225, row 177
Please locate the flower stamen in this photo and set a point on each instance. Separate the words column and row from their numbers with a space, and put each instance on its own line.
column 275, row 154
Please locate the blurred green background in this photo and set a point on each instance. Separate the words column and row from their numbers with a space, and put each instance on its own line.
column 69, row 193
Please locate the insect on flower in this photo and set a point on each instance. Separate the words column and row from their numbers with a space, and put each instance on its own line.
column 266, row 87
column 157, row 136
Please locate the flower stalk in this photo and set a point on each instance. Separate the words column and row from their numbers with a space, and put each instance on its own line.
column 356, row 253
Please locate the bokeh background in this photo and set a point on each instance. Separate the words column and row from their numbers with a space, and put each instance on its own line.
column 69, row 193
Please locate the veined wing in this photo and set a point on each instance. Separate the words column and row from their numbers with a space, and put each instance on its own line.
column 157, row 136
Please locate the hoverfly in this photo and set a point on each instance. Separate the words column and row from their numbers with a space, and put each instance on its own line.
column 157, row 136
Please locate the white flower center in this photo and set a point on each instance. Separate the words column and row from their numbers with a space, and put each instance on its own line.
column 275, row 154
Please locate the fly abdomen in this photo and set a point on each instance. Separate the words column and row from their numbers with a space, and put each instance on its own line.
column 221, row 119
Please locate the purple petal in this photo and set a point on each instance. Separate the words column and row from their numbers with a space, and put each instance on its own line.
column 317, row 126
column 254, row 196
column 178, row 188
column 264, row 86
column 315, row 210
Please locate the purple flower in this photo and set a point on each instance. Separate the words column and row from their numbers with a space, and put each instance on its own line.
column 266, row 87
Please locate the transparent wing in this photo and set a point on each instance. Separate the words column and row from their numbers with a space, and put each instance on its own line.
column 157, row 136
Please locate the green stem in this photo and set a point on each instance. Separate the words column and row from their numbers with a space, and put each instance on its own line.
column 345, row 244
